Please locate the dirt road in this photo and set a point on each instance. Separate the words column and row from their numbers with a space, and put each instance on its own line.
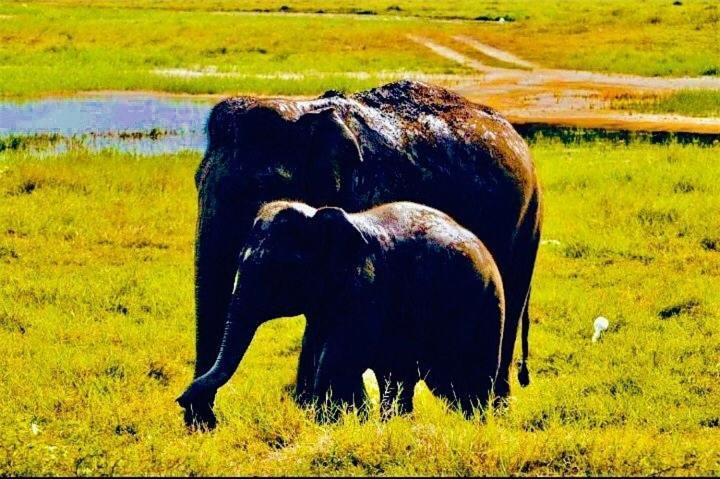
column 528, row 93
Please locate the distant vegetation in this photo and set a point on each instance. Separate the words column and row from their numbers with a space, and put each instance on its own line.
column 65, row 46
column 96, row 323
column 684, row 102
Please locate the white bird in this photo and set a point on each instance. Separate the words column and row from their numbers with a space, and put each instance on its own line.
column 600, row 325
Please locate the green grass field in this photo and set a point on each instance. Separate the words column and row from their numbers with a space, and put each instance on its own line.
column 67, row 46
column 96, row 249
column 701, row 103
column 96, row 323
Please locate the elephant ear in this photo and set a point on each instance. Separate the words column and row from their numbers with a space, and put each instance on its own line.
column 340, row 241
column 333, row 153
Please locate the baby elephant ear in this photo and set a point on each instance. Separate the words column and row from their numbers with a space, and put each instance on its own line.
column 338, row 236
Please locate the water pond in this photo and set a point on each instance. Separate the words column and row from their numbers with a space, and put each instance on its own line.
column 140, row 123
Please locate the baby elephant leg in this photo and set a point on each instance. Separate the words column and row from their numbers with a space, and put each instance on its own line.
column 343, row 392
column 457, row 396
column 308, row 364
column 463, row 390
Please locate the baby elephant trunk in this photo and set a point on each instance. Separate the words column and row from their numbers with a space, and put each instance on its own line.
column 239, row 332
column 197, row 399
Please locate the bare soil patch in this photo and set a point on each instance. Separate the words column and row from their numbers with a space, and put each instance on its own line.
column 530, row 93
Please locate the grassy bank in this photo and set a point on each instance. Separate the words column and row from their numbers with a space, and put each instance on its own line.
column 96, row 319
column 701, row 103
column 54, row 49
column 70, row 45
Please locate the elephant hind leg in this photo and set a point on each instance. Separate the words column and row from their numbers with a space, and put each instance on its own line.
column 463, row 387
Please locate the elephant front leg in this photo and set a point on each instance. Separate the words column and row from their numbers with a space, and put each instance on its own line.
column 308, row 364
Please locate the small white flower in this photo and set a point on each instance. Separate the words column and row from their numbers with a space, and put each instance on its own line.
column 35, row 429
column 601, row 324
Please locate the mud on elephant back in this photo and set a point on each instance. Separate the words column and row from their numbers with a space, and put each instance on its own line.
column 404, row 141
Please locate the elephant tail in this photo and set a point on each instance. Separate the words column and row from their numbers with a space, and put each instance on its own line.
column 524, row 373
column 534, row 213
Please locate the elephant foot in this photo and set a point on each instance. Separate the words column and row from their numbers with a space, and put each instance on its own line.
column 501, row 404
column 198, row 409
column 302, row 397
column 523, row 374
column 501, row 387
column 200, row 421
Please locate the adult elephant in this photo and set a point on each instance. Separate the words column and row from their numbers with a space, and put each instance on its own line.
column 403, row 141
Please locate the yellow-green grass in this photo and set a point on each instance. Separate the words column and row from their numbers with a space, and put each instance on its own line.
column 701, row 103
column 51, row 49
column 71, row 45
column 97, row 328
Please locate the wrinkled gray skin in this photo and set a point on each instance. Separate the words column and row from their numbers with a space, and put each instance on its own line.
column 405, row 141
column 401, row 289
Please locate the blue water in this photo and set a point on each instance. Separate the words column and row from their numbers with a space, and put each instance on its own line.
column 97, row 120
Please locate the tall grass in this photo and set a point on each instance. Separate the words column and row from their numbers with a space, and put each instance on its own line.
column 96, row 323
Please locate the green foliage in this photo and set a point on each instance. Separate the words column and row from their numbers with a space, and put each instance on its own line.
column 96, row 323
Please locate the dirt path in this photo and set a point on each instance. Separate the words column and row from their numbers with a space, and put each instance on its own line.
column 451, row 54
column 617, row 121
column 532, row 94
column 493, row 52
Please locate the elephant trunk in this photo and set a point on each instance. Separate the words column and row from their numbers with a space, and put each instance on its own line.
column 239, row 331
column 198, row 399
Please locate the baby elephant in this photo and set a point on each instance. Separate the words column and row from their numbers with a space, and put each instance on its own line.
column 401, row 289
